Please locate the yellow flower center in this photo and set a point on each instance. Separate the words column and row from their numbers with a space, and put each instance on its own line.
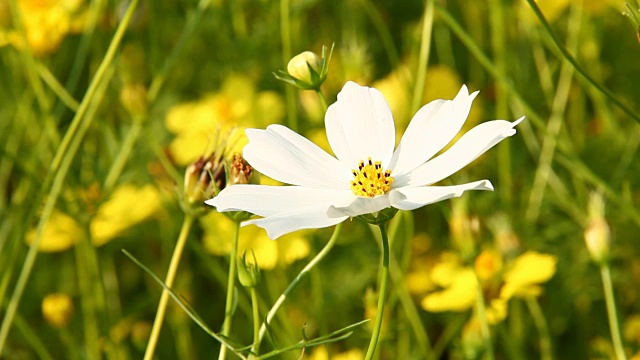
column 370, row 179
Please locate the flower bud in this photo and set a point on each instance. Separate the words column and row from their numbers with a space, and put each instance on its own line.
column 306, row 70
column 204, row 178
column 248, row 272
column 633, row 13
column 597, row 234
column 240, row 172
column 57, row 309
column 301, row 66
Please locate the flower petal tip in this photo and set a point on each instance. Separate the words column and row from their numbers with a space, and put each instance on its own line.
column 485, row 185
column 518, row 121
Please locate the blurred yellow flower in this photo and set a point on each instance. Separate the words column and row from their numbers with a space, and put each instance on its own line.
column 128, row 206
column 57, row 309
column 196, row 124
column 520, row 278
column 288, row 249
column 46, row 23
column 60, row 233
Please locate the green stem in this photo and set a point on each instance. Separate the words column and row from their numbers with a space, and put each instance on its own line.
column 164, row 298
column 481, row 310
column 272, row 312
column 285, row 38
column 231, row 286
column 383, row 281
column 539, row 321
column 611, row 311
column 256, row 321
column 323, row 100
column 425, row 47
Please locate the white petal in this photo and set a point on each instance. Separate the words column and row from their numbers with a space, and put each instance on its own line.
column 286, row 156
column 296, row 219
column 471, row 145
column 360, row 125
column 267, row 200
column 360, row 206
column 431, row 128
column 416, row 197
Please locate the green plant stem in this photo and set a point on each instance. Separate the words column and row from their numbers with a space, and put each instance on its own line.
column 539, row 321
column 382, row 290
column 423, row 59
column 171, row 274
column 256, row 321
column 611, row 311
column 567, row 55
column 323, row 100
column 231, row 288
column 481, row 311
column 556, row 120
column 272, row 312
column 285, row 38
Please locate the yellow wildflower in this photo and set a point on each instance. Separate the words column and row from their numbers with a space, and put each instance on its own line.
column 57, row 309
column 128, row 206
column 46, row 23
column 521, row 278
column 197, row 123
column 60, row 233
column 288, row 249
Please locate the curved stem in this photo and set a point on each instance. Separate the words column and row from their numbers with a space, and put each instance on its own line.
column 164, row 298
column 383, row 281
column 611, row 311
column 256, row 321
column 231, row 287
column 272, row 312
column 323, row 100
column 546, row 352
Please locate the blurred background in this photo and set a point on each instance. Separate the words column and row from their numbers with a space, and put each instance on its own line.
column 97, row 129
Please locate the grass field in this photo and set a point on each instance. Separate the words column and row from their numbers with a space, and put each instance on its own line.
column 119, row 119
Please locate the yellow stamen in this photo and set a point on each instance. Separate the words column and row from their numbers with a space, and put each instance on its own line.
column 370, row 179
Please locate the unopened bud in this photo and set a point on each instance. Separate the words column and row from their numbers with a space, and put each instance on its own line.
column 240, row 172
column 204, row 178
column 57, row 309
column 597, row 234
column 633, row 13
column 301, row 66
column 306, row 70
column 248, row 272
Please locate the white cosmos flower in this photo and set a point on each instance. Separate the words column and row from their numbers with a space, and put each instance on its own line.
column 366, row 175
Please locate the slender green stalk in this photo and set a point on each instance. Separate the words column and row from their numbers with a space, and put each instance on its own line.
column 546, row 352
column 85, row 275
column 231, row 288
column 323, row 100
column 285, row 38
column 425, row 47
column 272, row 312
column 481, row 311
column 382, row 290
column 611, row 311
column 171, row 274
column 256, row 321
column 556, row 120
column 567, row 55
